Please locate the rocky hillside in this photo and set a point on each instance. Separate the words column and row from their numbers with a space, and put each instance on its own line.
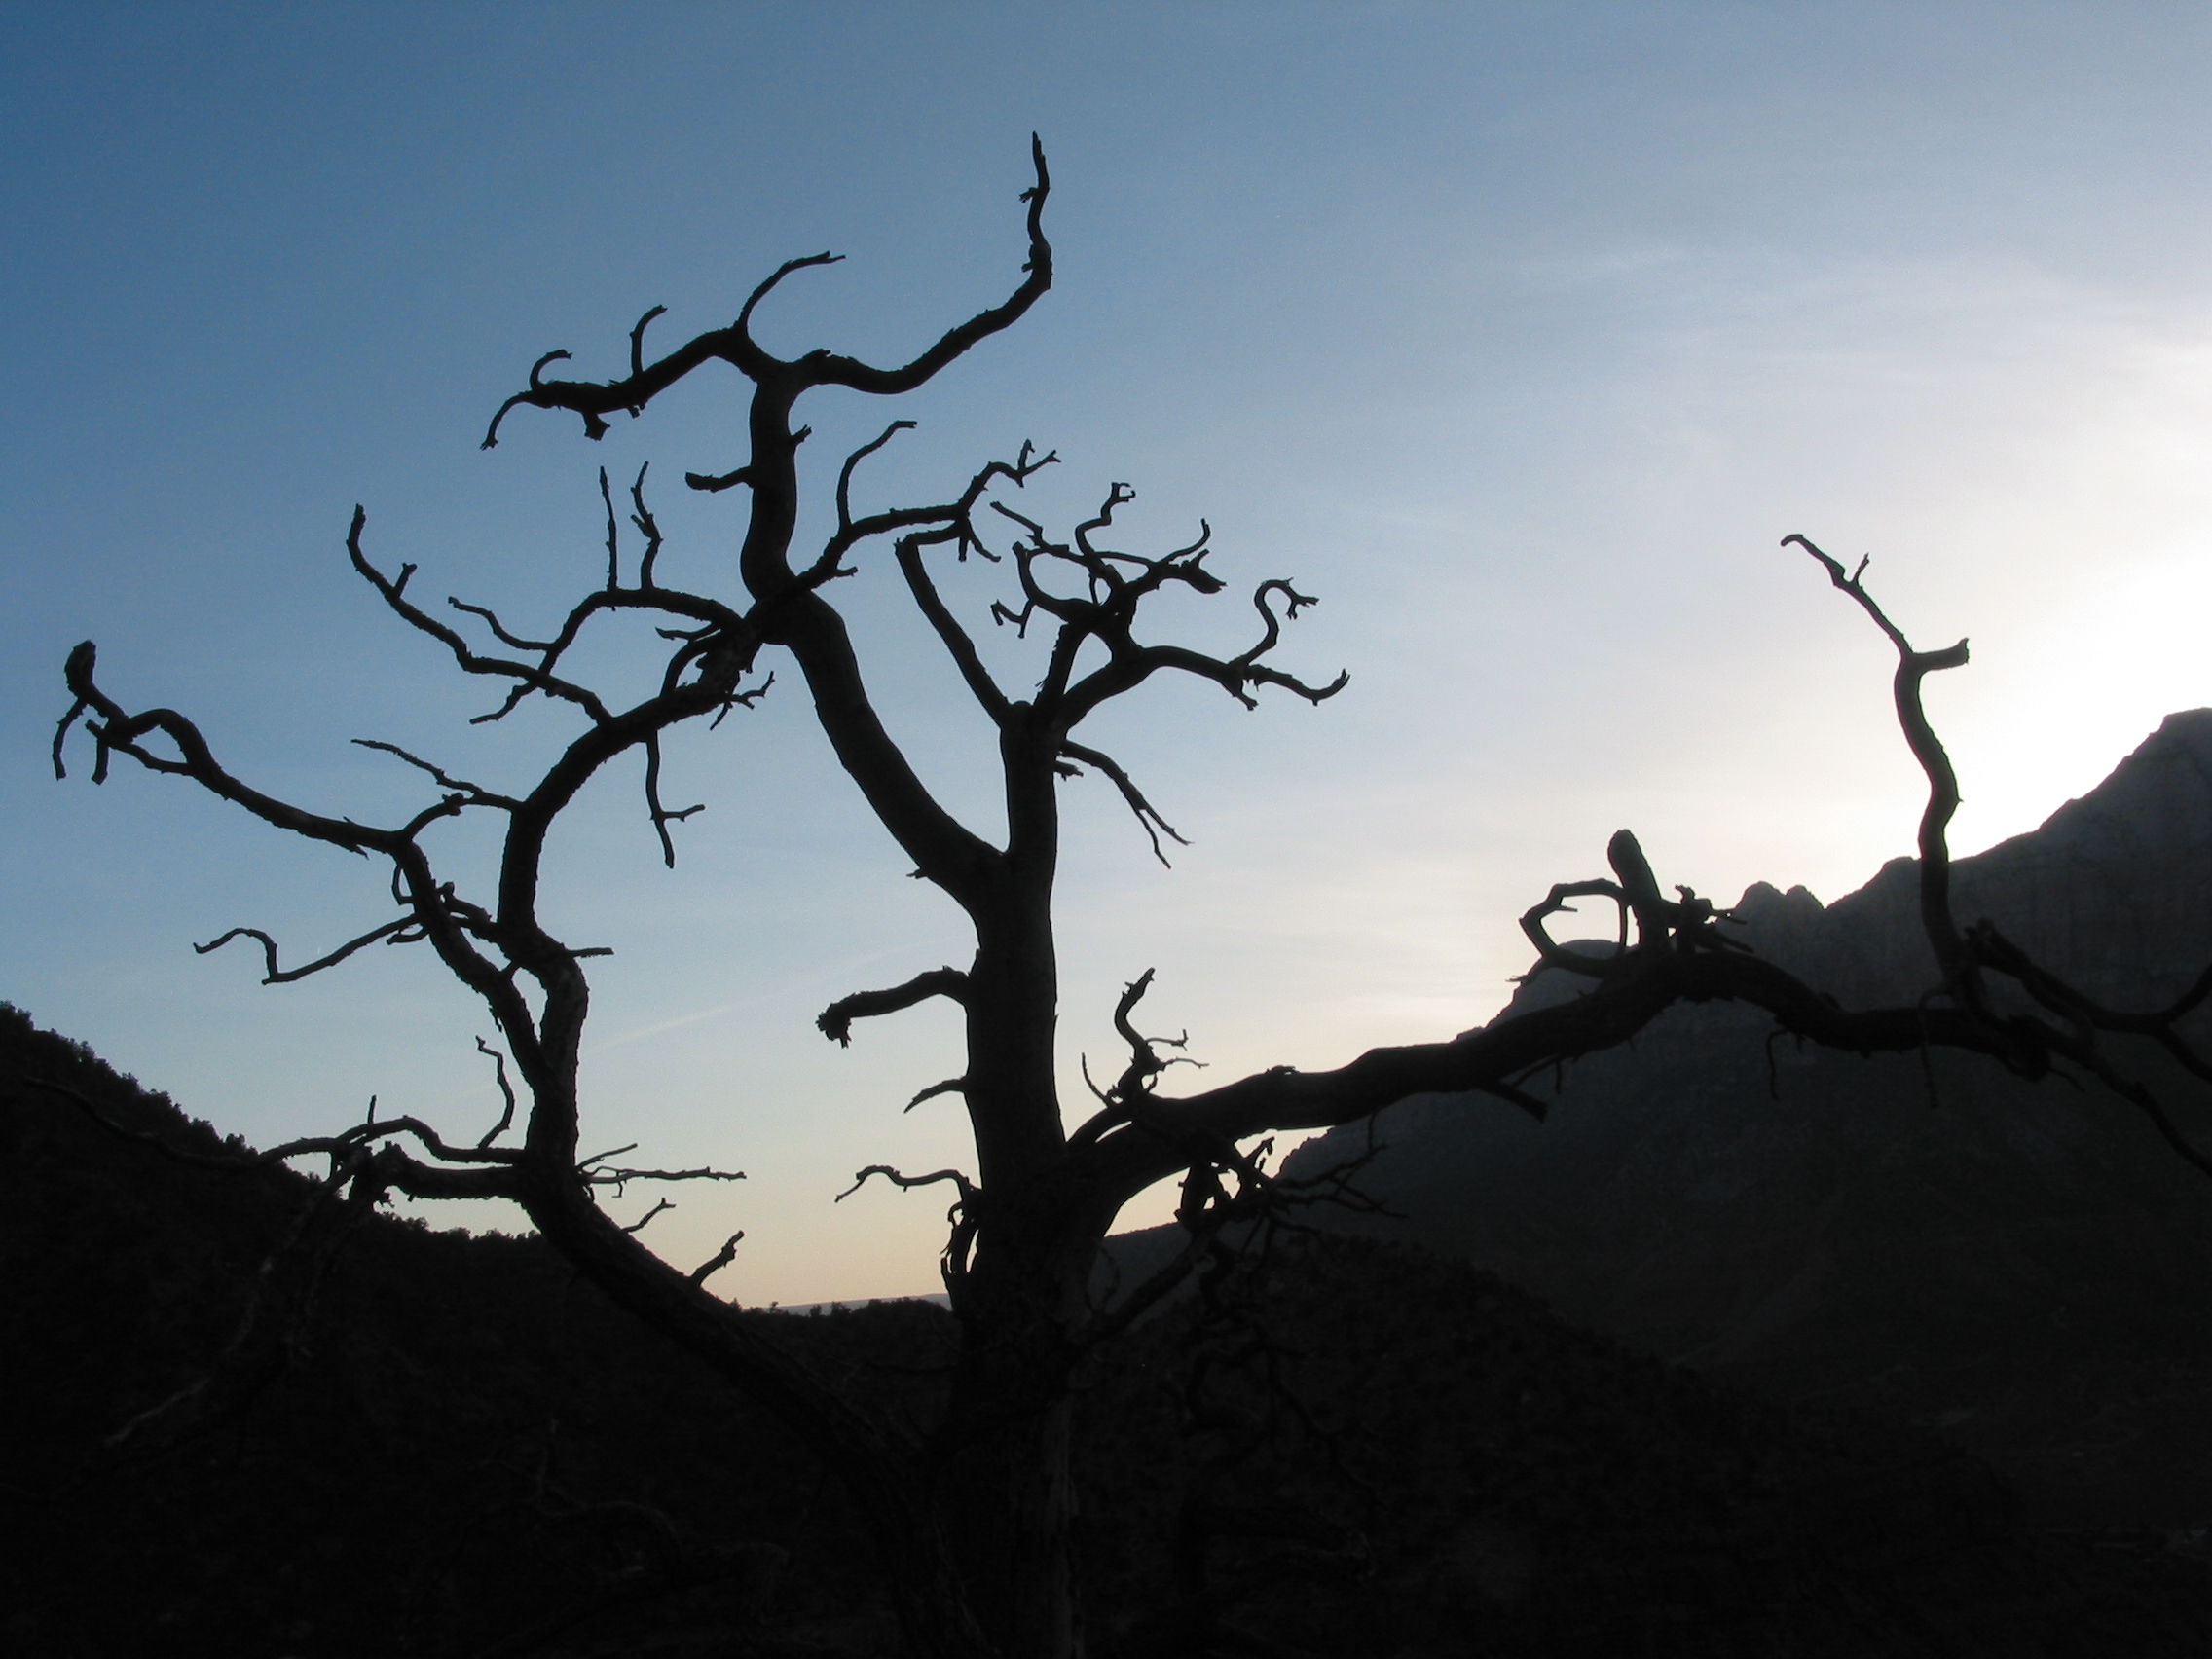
column 2025, row 1267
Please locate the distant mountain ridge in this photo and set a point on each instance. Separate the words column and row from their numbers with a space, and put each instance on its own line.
column 2027, row 1266
column 2114, row 890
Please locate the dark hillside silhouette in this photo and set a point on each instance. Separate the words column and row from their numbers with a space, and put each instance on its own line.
column 448, row 1448
column 2019, row 1264
column 469, row 1453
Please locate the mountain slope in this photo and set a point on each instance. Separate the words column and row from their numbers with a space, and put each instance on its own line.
column 471, row 1454
column 2027, row 1267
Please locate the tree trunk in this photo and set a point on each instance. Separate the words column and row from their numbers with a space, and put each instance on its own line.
column 1010, row 1495
column 1002, row 1463
column 1013, row 1506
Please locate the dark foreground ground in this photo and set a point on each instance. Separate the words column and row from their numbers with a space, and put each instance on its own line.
column 469, row 1454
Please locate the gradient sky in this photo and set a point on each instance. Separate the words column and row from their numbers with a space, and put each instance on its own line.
column 1519, row 334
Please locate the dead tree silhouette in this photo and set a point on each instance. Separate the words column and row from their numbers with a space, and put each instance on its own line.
column 971, row 1516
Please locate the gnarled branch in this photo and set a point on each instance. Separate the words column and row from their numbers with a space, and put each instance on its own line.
column 837, row 1020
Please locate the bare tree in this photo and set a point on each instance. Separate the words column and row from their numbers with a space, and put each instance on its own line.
column 971, row 1516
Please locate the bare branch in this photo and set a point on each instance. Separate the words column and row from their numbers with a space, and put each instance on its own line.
column 832, row 370
column 613, row 536
column 76, row 670
column 648, row 526
column 1131, row 664
column 421, row 1180
column 712, row 483
column 747, row 354
column 837, row 1020
column 500, row 630
column 1147, row 814
column 1293, row 602
column 392, row 930
column 529, row 678
column 662, row 817
column 966, row 1191
column 114, row 731
column 637, row 342
column 507, row 1092
column 950, row 1085
column 845, row 472
column 594, row 401
column 1915, row 666
column 1552, row 953
column 595, row 1175
column 477, row 793
column 719, row 1260
column 957, row 644
column 1146, row 1062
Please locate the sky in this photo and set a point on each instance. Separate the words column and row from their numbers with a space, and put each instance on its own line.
column 1520, row 335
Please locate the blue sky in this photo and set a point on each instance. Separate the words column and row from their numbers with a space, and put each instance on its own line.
column 1519, row 334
